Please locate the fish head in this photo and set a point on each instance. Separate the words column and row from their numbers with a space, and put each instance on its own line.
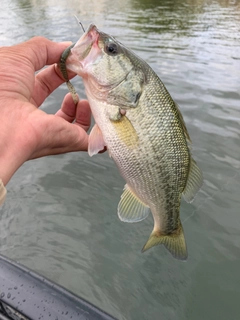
column 99, row 56
column 104, row 64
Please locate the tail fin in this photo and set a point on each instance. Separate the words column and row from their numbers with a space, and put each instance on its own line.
column 174, row 242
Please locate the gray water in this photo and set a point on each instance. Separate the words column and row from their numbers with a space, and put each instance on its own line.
column 60, row 217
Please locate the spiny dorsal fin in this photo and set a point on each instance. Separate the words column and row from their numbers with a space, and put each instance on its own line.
column 174, row 242
column 194, row 181
column 183, row 123
column 131, row 208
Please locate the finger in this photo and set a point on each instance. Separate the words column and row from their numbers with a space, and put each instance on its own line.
column 46, row 81
column 41, row 51
column 83, row 115
column 81, row 112
column 68, row 109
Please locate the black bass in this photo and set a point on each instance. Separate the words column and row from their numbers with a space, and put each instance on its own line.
column 144, row 132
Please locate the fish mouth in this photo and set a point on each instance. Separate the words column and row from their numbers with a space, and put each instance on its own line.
column 86, row 50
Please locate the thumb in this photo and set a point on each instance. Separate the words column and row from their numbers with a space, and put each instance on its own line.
column 41, row 51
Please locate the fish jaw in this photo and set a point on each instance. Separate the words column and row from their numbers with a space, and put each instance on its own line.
column 85, row 53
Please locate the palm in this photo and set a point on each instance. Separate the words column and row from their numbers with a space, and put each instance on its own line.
column 29, row 130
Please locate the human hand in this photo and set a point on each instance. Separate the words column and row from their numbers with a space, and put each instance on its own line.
column 27, row 132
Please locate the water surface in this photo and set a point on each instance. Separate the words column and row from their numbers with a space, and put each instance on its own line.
column 60, row 216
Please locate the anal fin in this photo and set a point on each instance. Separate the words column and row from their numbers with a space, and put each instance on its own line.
column 131, row 208
column 174, row 242
column 194, row 181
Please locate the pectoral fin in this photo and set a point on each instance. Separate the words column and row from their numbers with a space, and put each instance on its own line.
column 95, row 141
column 174, row 242
column 131, row 208
column 194, row 182
column 126, row 132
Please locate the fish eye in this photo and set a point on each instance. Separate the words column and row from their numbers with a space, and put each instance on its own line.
column 111, row 48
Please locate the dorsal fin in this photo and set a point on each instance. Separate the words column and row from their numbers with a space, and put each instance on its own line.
column 183, row 123
column 194, row 181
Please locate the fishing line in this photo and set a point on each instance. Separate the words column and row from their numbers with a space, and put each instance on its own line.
column 79, row 22
column 211, row 197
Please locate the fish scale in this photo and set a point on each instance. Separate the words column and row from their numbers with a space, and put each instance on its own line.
column 145, row 134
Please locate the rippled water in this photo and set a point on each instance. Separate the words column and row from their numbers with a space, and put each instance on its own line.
column 60, row 216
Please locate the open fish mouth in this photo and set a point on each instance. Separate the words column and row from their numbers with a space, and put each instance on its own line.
column 86, row 50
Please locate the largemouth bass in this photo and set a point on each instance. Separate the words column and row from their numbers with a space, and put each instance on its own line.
column 144, row 132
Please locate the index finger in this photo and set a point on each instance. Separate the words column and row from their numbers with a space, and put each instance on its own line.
column 46, row 81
